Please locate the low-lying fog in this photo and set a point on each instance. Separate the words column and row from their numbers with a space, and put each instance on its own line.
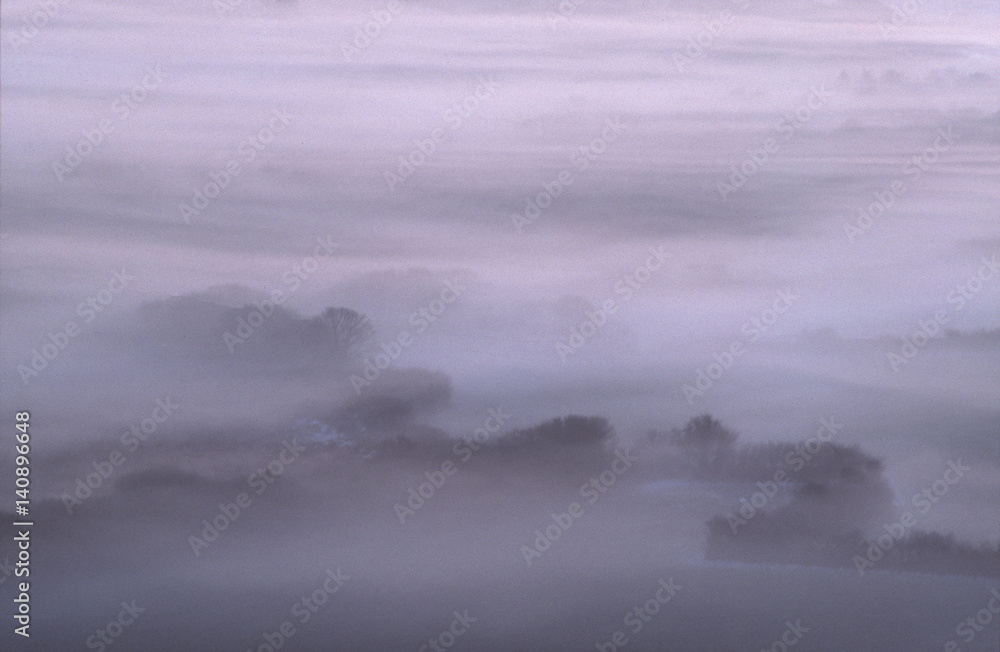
column 536, row 326
column 227, row 494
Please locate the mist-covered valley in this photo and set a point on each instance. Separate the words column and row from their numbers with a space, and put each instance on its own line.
column 548, row 531
column 577, row 325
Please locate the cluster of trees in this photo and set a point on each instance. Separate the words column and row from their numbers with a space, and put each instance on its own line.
column 705, row 449
column 387, row 415
column 702, row 447
column 571, row 430
column 942, row 553
column 830, row 494
column 257, row 333
column 771, row 539
column 389, row 421
column 775, row 539
column 386, row 418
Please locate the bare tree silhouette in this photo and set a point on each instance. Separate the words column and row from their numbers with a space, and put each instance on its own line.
column 346, row 330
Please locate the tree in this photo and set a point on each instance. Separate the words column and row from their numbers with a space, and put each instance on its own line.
column 705, row 441
column 346, row 331
column 575, row 430
column 572, row 430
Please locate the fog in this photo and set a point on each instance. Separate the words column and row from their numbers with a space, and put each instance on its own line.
column 498, row 323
